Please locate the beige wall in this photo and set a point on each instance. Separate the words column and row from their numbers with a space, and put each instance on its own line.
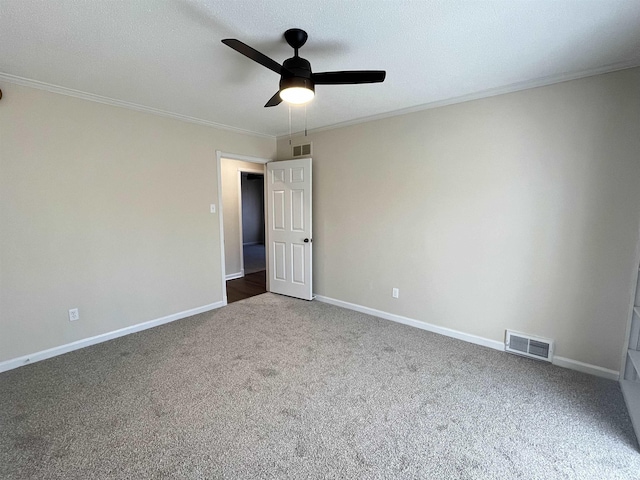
column 518, row 211
column 107, row 210
column 231, row 213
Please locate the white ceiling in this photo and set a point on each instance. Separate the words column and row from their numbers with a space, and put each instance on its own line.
column 167, row 55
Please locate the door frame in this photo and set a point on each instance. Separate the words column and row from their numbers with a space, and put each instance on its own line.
column 264, row 226
column 245, row 158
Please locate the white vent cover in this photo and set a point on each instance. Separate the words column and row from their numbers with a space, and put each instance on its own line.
column 534, row 347
column 300, row 150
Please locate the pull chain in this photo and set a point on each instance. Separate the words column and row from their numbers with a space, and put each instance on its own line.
column 305, row 119
column 289, row 105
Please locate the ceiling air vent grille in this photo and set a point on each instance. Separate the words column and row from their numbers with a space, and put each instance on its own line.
column 534, row 347
column 301, row 150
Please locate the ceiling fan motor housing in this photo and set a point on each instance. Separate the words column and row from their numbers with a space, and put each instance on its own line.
column 291, row 82
column 296, row 73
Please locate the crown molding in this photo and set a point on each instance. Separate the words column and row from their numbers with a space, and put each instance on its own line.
column 492, row 92
column 27, row 82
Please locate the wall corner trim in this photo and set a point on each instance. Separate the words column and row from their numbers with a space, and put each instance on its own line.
column 467, row 337
column 86, row 342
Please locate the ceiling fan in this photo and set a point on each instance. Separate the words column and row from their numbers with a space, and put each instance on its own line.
column 297, row 81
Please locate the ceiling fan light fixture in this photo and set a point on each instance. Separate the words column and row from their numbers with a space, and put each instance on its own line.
column 297, row 95
column 296, row 90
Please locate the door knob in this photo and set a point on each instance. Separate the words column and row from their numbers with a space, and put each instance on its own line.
column 306, row 240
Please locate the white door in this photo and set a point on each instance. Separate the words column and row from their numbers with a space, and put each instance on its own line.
column 289, row 227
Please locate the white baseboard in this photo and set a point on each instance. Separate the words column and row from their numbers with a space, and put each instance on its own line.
column 233, row 276
column 86, row 342
column 586, row 368
column 485, row 342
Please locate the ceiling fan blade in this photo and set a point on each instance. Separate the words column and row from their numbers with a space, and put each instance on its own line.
column 353, row 76
column 275, row 100
column 254, row 55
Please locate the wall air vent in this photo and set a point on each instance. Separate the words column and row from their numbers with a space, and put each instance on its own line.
column 302, row 150
column 533, row 347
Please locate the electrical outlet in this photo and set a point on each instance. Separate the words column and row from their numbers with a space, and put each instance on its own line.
column 395, row 293
column 74, row 315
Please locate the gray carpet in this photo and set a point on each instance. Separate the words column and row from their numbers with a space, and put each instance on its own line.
column 272, row 387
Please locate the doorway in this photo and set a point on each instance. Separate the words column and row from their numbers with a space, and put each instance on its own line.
column 288, row 236
column 243, row 217
column 252, row 238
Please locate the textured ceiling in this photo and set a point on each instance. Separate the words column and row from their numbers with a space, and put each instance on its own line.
column 167, row 55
